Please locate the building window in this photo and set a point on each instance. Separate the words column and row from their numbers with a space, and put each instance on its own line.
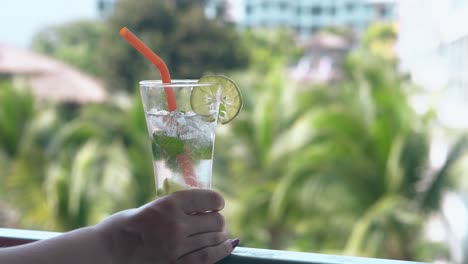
column 265, row 5
column 105, row 7
column 313, row 30
column 350, row 7
column 283, row 6
column 316, row 10
column 332, row 10
column 382, row 12
column 298, row 11
column 248, row 9
column 220, row 10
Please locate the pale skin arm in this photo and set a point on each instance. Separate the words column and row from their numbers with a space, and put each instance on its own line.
column 83, row 245
column 185, row 227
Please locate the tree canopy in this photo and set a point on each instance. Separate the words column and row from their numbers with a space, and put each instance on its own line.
column 177, row 31
column 75, row 43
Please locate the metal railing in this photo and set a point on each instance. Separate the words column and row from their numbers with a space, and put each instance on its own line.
column 241, row 255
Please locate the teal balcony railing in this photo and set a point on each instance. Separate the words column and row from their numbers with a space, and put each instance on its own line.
column 241, row 255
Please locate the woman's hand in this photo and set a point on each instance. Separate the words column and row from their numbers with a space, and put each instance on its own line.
column 184, row 227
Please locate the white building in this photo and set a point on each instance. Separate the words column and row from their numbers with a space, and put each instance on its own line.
column 305, row 16
column 433, row 49
column 105, row 7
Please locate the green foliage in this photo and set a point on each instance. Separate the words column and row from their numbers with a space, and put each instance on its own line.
column 269, row 49
column 101, row 166
column 75, row 43
column 69, row 171
column 15, row 112
column 380, row 40
column 22, row 158
column 433, row 193
column 379, row 32
column 177, row 30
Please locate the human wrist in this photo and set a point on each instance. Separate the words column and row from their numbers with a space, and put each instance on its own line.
column 102, row 244
column 119, row 242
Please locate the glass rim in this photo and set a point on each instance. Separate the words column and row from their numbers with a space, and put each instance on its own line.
column 174, row 83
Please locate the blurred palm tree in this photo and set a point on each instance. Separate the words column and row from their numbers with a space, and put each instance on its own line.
column 409, row 188
column 269, row 149
column 72, row 170
column 102, row 164
column 17, row 110
column 88, row 171
column 333, row 168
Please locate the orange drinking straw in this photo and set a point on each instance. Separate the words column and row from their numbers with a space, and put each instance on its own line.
column 156, row 60
column 183, row 159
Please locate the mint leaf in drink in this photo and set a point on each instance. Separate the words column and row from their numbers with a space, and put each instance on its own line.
column 167, row 146
column 204, row 153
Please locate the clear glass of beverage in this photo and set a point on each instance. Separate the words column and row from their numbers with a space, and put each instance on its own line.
column 183, row 138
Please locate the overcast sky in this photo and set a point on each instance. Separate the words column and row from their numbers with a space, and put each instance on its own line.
column 21, row 19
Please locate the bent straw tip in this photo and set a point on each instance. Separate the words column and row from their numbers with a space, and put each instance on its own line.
column 123, row 31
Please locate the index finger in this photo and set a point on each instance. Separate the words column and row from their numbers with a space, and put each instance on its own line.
column 194, row 201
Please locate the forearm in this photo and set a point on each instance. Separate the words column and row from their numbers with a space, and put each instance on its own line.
column 80, row 246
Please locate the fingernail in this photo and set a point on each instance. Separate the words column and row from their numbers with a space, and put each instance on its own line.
column 235, row 242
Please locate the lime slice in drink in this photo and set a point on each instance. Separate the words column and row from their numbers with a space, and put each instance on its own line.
column 231, row 99
column 170, row 186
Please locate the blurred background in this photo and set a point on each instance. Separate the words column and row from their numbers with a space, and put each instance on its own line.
column 352, row 139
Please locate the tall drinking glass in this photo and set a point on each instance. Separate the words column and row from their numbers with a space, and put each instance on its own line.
column 183, row 139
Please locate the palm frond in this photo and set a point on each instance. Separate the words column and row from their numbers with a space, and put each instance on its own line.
column 430, row 197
